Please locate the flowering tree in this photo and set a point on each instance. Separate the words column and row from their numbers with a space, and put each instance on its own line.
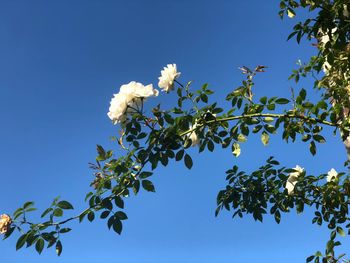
column 153, row 138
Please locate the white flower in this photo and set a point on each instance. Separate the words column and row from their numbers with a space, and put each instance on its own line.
column 129, row 95
column 293, row 178
column 168, row 75
column 118, row 107
column 332, row 174
column 137, row 90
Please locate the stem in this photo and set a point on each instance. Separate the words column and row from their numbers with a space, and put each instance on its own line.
column 182, row 86
column 255, row 115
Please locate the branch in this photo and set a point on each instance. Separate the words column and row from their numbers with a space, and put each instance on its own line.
column 256, row 115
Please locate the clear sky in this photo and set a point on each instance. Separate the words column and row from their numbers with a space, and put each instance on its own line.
column 61, row 61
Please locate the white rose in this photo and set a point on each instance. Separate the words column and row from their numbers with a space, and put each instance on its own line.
column 118, row 107
column 293, row 178
column 138, row 90
column 129, row 95
column 168, row 75
column 332, row 174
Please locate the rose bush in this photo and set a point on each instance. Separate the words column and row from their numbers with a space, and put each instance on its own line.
column 150, row 139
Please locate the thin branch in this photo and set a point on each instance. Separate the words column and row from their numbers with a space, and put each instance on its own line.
column 256, row 115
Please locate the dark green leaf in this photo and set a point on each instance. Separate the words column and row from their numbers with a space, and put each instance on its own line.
column 282, row 101
column 58, row 212
column 148, row 186
column 65, row 230
column 27, row 205
column 119, row 201
column 91, row 216
column 179, row 155
column 58, row 248
column 121, row 215
column 309, row 259
column 39, row 246
column 188, row 161
column 9, row 232
column 105, row 214
column 64, row 205
column 21, row 240
column 144, row 175
column 312, row 148
column 117, row 226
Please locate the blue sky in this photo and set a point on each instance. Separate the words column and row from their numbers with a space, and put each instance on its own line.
column 61, row 61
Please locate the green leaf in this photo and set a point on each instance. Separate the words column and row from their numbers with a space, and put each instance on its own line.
column 135, row 187
column 105, row 214
column 302, row 94
column 9, row 232
column 265, row 138
column 282, row 101
column 263, row 100
column 101, row 153
column 121, row 215
column 65, row 230
column 58, row 212
column 144, row 175
column 188, row 161
column 58, row 248
column 271, row 106
column 119, row 201
column 110, row 221
column 309, row 259
column 18, row 213
column 39, row 246
column 340, row 231
column 117, row 226
column 277, row 216
column 30, row 209
column 148, row 186
column 91, row 216
column 179, row 155
column 21, row 240
column 210, row 146
column 65, row 205
column 312, row 148
column 319, row 138
column 318, row 254
column 27, row 205
column 81, row 216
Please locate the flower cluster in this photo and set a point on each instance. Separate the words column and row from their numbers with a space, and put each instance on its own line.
column 168, row 75
column 293, row 179
column 5, row 222
column 130, row 95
